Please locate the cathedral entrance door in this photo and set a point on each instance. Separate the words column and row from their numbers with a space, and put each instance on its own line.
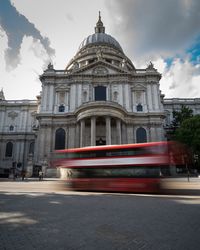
column 100, row 142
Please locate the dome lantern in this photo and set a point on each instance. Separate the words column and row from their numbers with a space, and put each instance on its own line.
column 99, row 25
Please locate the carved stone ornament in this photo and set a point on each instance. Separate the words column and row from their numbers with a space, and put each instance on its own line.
column 124, row 63
column 100, row 71
column 75, row 66
column 2, row 97
column 12, row 114
column 62, row 87
column 34, row 113
column 99, row 54
column 50, row 66
column 150, row 67
column 138, row 87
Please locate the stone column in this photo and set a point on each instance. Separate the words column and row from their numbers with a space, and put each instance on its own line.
column 44, row 99
column 108, row 130
column 119, row 133
column 82, row 141
column 130, row 137
column 93, row 131
column 71, row 136
column 124, row 133
column 155, row 93
column 149, row 96
column 67, row 101
column 77, row 136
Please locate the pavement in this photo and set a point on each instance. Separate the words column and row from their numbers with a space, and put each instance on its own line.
column 185, row 186
column 35, row 216
column 182, row 186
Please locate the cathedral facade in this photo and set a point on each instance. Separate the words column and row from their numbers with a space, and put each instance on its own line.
column 100, row 98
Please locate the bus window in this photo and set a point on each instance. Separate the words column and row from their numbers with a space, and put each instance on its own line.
column 116, row 172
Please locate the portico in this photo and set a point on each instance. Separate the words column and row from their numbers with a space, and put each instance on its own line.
column 100, row 130
column 100, row 123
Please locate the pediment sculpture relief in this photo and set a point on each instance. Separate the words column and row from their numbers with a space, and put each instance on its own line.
column 100, row 71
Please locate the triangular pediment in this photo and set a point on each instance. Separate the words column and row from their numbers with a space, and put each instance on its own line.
column 100, row 68
column 138, row 87
column 61, row 87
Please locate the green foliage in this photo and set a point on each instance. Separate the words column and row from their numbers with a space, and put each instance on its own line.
column 182, row 115
column 189, row 133
column 179, row 116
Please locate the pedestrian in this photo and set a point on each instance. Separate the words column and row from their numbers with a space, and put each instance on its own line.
column 40, row 175
column 23, row 174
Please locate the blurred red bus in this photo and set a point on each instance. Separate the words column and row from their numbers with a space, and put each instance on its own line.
column 121, row 168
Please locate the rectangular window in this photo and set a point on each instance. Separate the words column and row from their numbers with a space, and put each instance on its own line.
column 100, row 93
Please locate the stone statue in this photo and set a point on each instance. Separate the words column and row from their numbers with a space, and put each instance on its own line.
column 124, row 63
column 2, row 97
column 150, row 66
column 50, row 66
column 75, row 65
column 99, row 55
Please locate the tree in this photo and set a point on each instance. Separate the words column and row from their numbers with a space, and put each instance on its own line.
column 189, row 134
column 179, row 117
column 182, row 115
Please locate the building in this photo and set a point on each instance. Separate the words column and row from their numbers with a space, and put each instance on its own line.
column 99, row 98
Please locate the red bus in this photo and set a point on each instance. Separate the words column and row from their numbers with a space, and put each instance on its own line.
column 122, row 168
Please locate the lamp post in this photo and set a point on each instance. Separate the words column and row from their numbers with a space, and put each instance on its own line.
column 186, row 165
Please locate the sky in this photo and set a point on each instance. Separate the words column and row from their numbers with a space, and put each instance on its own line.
column 36, row 32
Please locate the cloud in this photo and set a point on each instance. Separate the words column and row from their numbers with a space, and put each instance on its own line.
column 180, row 80
column 165, row 32
column 16, row 27
column 155, row 27
column 24, row 78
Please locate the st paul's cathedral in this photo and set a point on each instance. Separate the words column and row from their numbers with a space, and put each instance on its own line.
column 100, row 98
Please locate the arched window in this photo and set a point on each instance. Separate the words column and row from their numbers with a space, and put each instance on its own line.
column 100, row 93
column 141, row 135
column 9, row 149
column 60, row 139
column 11, row 128
column 31, row 148
column 61, row 108
column 139, row 107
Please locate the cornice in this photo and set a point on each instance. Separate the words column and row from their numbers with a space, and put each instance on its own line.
column 100, row 108
column 100, row 63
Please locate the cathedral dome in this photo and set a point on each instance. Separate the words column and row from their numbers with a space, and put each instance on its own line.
column 100, row 46
column 100, row 37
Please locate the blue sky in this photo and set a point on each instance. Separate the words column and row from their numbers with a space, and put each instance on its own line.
column 194, row 51
column 35, row 32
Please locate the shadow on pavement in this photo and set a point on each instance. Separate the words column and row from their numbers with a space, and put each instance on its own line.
column 85, row 220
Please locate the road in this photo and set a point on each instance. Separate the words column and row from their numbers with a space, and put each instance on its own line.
column 41, row 215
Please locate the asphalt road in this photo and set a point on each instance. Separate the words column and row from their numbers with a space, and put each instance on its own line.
column 42, row 215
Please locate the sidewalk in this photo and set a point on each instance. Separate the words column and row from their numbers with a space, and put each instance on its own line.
column 181, row 185
column 168, row 186
column 27, row 179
